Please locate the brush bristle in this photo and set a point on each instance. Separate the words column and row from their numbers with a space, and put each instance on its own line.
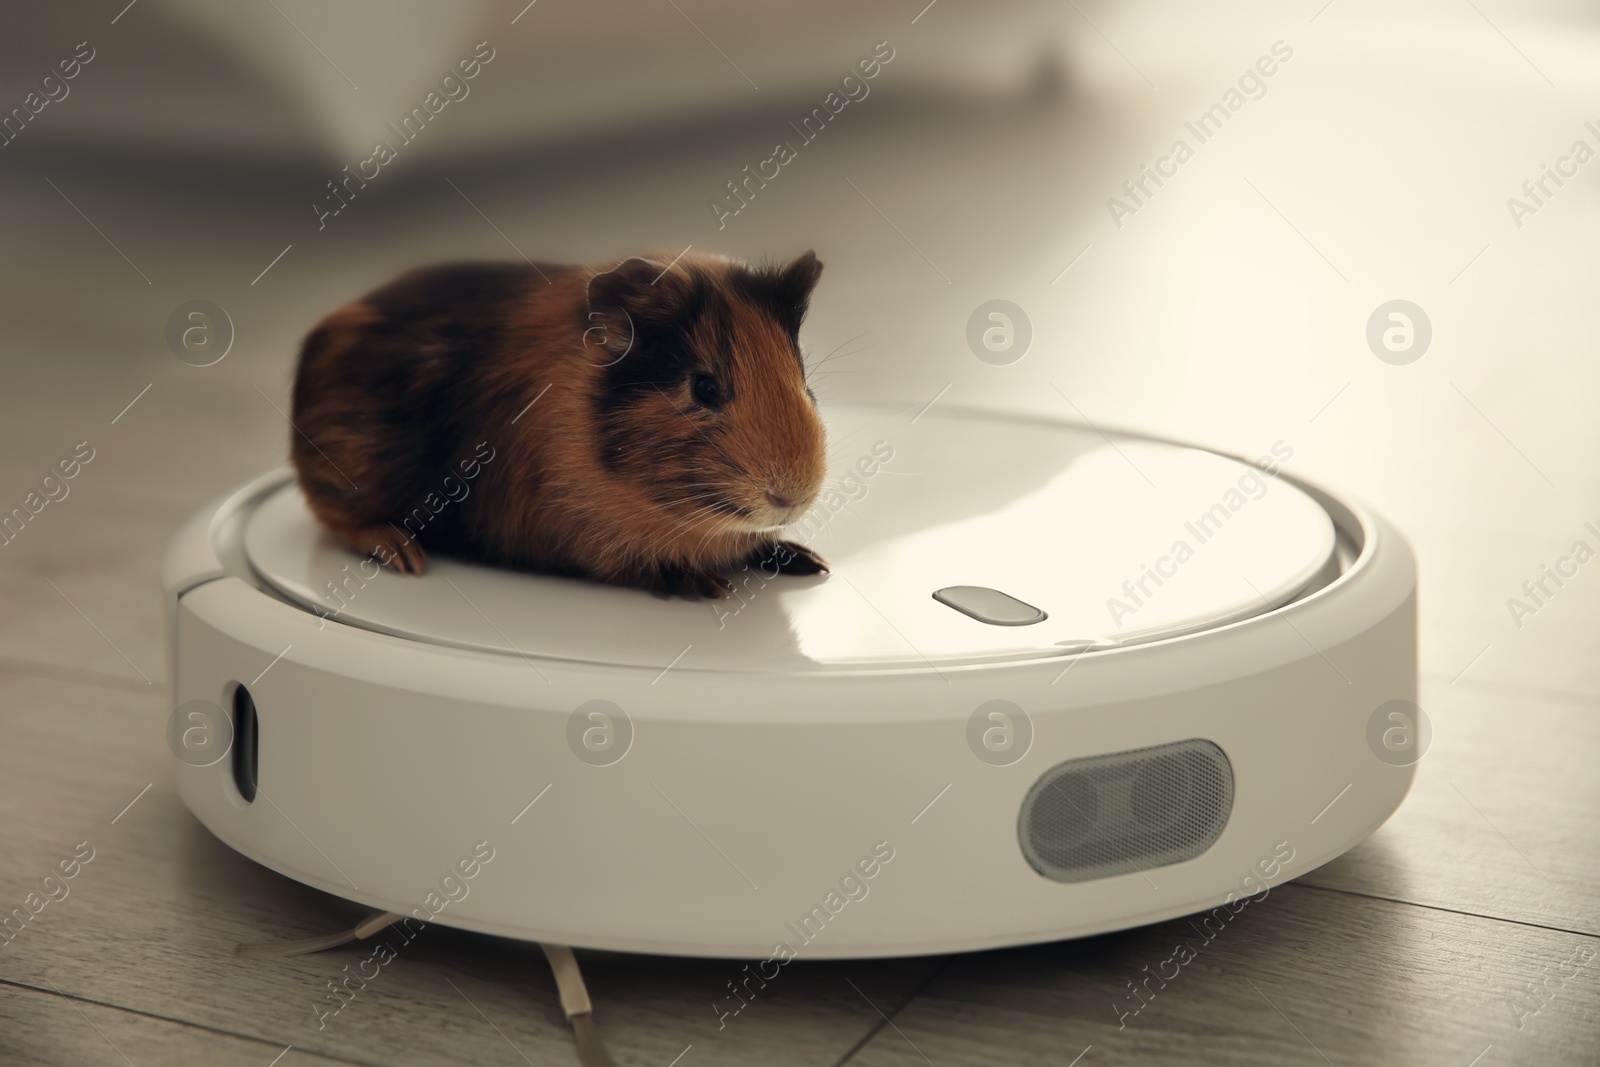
column 304, row 946
column 591, row 1052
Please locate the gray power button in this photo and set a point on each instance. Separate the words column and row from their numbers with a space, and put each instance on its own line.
column 989, row 605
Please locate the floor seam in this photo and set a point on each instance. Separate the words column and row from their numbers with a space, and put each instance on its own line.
column 883, row 1021
column 272, row 1043
column 1440, row 907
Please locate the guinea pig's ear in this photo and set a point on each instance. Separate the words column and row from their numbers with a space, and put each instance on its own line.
column 631, row 300
column 794, row 285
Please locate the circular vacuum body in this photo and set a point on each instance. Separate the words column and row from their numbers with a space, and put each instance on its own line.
column 1057, row 683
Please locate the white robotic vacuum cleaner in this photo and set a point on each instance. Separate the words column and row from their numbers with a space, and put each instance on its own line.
column 1057, row 683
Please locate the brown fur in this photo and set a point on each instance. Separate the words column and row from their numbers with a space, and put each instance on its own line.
column 414, row 430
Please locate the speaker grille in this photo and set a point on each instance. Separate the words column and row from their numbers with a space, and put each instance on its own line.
column 1127, row 811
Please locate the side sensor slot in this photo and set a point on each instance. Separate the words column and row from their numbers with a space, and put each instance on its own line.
column 246, row 743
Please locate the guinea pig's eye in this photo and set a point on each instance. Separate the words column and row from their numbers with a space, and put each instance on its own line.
column 706, row 390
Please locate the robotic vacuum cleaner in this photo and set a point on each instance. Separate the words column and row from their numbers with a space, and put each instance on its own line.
column 1057, row 683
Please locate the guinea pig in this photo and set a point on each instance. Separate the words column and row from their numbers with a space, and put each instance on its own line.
column 644, row 424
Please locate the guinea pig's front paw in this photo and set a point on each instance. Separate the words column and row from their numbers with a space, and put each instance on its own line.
column 689, row 582
column 789, row 557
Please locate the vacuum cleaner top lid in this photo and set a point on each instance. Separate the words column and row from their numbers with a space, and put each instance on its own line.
column 953, row 538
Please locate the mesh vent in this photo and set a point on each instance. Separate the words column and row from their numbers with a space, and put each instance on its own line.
column 1127, row 811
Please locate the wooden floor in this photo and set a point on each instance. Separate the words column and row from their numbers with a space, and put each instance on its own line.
column 1230, row 308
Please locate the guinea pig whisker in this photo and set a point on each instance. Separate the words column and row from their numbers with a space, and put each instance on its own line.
column 701, row 512
column 835, row 442
column 693, row 516
column 841, row 344
column 686, row 526
column 710, row 496
column 716, row 529
column 683, row 528
column 696, row 509
column 825, row 360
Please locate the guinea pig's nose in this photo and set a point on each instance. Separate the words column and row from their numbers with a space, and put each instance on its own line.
column 779, row 502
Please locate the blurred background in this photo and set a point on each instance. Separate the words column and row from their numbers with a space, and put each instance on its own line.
column 190, row 154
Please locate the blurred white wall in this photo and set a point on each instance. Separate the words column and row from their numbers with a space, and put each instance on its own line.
column 273, row 77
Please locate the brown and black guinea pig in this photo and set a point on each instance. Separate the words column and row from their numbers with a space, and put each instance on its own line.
column 645, row 423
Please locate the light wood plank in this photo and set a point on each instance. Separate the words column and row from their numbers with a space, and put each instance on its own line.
column 1501, row 818
column 1336, row 979
column 43, row 1029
